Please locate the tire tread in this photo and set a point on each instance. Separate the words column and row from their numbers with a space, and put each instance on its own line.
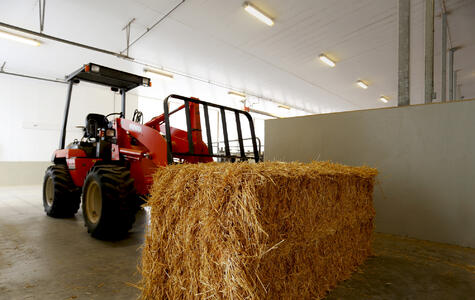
column 119, row 201
column 67, row 196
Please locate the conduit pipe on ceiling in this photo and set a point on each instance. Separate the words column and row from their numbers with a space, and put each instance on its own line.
column 56, row 39
column 155, row 24
column 32, row 77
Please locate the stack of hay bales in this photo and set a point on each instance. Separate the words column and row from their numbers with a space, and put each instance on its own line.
column 256, row 231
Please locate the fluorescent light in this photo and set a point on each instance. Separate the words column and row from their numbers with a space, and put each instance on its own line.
column 284, row 106
column 237, row 94
column 362, row 84
column 258, row 14
column 326, row 60
column 158, row 72
column 19, row 38
column 384, row 99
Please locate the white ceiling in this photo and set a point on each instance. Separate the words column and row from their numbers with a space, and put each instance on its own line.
column 218, row 41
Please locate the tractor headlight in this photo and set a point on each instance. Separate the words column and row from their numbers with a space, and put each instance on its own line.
column 110, row 132
column 95, row 68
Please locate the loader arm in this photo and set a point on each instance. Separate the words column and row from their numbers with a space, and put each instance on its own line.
column 147, row 136
column 180, row 142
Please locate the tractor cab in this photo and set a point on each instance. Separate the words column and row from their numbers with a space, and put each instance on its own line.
column 97, row 138
column 98, row 131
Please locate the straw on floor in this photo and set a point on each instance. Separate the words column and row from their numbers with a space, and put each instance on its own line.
column 256, row 231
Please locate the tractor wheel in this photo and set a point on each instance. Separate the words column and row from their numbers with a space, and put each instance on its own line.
column 109, row 202
column 61, row 197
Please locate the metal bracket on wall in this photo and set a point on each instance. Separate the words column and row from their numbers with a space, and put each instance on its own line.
column 127, row 35
column 41, row 9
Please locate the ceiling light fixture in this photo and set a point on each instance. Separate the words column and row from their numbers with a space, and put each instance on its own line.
column 362, row 84
column 237, row 94
column 18, row 38
column 158, row 72
column 327, row 60
column 258, row 14
column 384, row 99
column 284, row 106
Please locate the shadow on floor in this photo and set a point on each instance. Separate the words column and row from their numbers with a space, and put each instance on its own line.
column 404, row 268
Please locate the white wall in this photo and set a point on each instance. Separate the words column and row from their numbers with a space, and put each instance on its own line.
column 32, row 113
column 424, row 153
column 22, row 172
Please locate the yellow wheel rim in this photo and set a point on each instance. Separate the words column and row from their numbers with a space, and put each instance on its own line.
column 49, row 190
column 93, row 202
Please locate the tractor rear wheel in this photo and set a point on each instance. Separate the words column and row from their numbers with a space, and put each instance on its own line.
column 109, row 202
column 61, row 197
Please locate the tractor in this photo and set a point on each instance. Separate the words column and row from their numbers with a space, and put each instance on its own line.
column 110, row 169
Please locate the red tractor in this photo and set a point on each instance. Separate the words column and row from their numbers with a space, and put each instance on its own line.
column 112, row 166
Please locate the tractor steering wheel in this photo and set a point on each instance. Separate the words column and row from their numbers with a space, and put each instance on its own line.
column 111, row 114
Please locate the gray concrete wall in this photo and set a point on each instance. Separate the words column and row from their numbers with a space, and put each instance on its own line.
column 22, row 172
column 425, row 155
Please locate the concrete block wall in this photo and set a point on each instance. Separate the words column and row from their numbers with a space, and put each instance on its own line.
column 425, row 155
column 22, row 172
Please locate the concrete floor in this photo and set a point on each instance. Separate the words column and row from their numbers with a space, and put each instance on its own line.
column 46, row 258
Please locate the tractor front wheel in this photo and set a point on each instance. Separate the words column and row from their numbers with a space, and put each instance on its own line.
column 109, row 202
column 61, row 198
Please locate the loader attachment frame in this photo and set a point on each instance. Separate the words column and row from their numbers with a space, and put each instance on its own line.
column 222, row 109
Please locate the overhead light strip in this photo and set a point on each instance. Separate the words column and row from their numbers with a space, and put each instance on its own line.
column 384, row 99
column 284, row 106
column 238, row 94
column 158, row 72
column 362, row 84
column 251, row 9
column 18, row 38
column 327, row 60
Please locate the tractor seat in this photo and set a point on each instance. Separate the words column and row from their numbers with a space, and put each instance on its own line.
column 93, row 123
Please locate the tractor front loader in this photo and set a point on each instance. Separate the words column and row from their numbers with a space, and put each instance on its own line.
column 110, row 169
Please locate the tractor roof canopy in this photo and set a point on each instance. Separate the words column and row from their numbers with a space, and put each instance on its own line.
column 110, row 77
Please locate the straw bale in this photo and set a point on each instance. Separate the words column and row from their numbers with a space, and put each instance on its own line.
column 256, row 231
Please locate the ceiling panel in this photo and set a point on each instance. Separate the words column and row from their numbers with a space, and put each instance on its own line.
column 219, row 42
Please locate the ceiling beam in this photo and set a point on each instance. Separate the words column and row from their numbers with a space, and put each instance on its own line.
column 429, row 52
column 404, row 51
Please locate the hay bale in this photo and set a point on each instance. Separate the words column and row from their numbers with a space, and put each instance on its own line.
column 256, row 231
